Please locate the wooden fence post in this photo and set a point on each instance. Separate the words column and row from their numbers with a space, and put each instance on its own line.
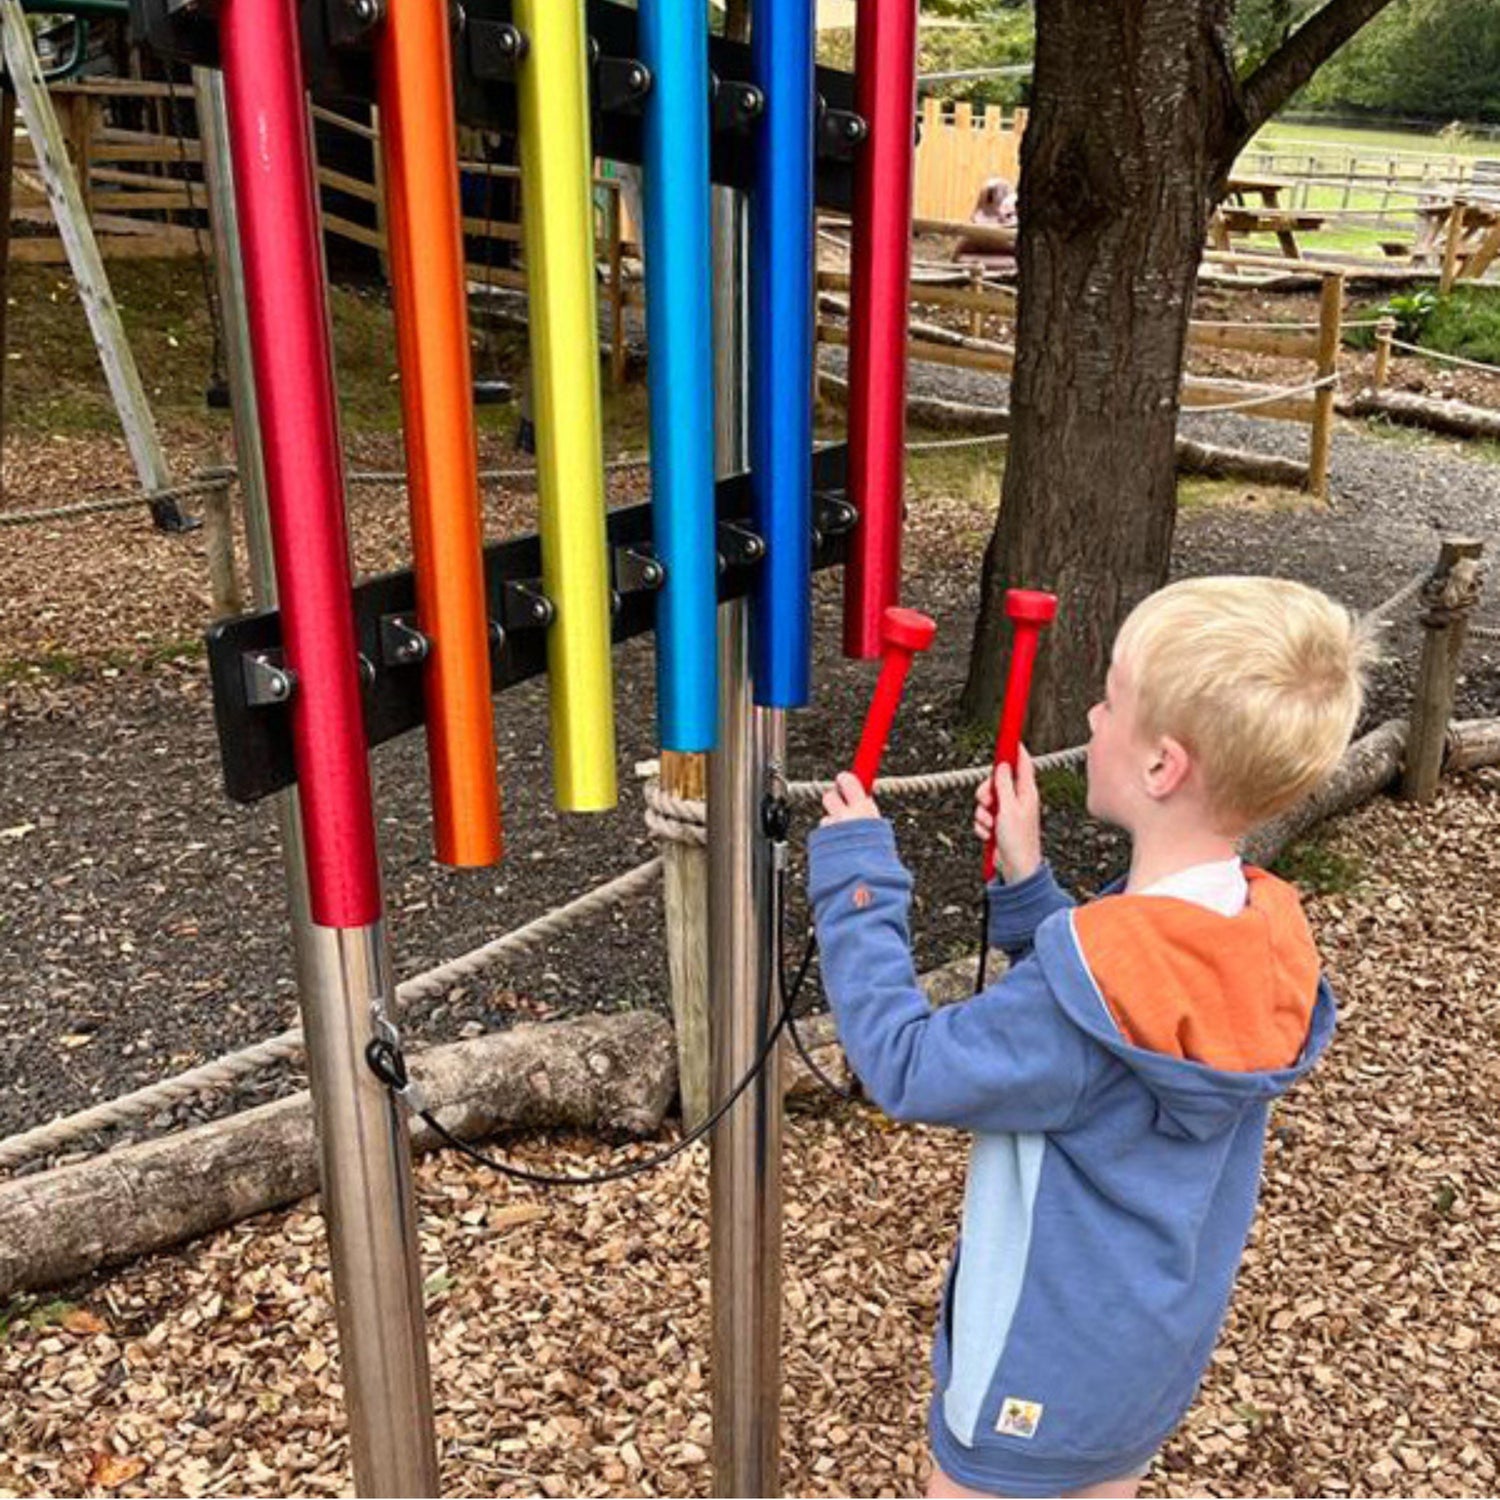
column 7, row 180
column 1385, row 331
column 77, row 233
column 1330, row 332
column 685, row 894
column 1456, row 216
column 1449, row 597
column 218, row 541
column 616, row 231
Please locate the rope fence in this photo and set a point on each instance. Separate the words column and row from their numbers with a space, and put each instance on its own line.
column 1449, row 359
column 667, row 818
column 208, row 480
column 1266, row 398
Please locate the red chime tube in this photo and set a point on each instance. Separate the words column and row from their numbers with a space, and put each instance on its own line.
column 420, row 144
column 284, row 288
column 885, row 88
column 905, row 633
column 1029, row 611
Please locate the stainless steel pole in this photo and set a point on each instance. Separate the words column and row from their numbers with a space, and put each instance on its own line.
column 745, row 1162
column 344, row 979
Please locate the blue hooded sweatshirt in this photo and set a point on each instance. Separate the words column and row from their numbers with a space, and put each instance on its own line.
column 1117, row 1081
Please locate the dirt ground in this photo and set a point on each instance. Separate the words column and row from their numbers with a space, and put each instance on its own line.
column 144, row 931
column 569, row 1330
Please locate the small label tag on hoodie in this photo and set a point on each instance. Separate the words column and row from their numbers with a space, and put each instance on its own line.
column 1019, row 1419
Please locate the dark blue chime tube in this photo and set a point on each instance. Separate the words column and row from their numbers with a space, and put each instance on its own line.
column 781, row 351
column 679, row 323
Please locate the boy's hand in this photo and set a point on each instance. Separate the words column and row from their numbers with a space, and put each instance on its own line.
column 848, row 800
column 1017, row 829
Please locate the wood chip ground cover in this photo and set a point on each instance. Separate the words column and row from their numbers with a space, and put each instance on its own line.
column 569, row 1331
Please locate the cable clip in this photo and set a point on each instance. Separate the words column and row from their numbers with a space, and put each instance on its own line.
column 387, row 1062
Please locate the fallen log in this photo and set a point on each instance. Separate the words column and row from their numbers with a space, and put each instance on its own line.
column 1472, row 743
column 1214, row 462
column 1369, row 765
column 1453, row 418
column 610, row 1074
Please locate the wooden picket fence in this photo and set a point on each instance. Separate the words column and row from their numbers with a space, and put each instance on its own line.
column 959, row 149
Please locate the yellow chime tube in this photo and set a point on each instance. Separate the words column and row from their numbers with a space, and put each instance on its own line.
column 557, row 213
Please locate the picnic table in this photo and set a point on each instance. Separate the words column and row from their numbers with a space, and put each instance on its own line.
column 1478, row 234
column 1239, row 213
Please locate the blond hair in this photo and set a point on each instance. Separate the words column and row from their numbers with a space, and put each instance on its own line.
column 1262, row 680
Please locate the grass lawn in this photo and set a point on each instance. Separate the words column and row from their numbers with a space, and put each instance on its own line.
column 1369, row 140
column 1330, row 151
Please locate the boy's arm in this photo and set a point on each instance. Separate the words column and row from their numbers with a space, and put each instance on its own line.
column 1007, row 1060
column 1016, row 911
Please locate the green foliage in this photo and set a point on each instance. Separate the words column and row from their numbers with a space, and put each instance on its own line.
column 1437, row 59
column 1063, row 786
column 1411, row 310
column 1466, row 323
column 996, row 35
column 1261, row 26
column 1319, row 870
column 25, row 1311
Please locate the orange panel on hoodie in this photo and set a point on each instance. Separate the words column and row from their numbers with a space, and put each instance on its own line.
column 1234, row 993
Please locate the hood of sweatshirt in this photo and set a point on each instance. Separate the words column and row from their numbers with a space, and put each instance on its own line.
column 1213, row 1014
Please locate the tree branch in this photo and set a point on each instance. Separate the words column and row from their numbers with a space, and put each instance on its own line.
column 1292, row 64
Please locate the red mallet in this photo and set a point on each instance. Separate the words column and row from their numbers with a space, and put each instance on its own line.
column 1029, row 610
column 903, row 633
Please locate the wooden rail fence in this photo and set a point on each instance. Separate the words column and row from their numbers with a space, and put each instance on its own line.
column 1308, row 401
column 146, row 198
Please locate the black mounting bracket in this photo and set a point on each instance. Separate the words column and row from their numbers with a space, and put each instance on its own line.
column 253, row 687
column 338, row 57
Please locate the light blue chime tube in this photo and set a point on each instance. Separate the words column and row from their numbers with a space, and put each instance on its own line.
column 679, row 323
column 781, row 350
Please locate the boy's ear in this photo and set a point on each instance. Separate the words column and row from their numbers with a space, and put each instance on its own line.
column 1169, row 766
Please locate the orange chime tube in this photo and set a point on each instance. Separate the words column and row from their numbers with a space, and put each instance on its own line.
column 420, row 147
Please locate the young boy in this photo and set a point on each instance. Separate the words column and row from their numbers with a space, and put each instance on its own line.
column 1117, row 1080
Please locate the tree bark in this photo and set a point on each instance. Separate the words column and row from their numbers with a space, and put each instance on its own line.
column 1116, row 162
column 1138, row 119
column 609, row 1073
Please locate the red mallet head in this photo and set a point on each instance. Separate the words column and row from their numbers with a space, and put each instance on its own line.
column 1030, row 611
column 1030, row 606
column 903, row 633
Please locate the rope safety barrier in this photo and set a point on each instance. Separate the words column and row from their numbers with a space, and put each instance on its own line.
column 668, row 818
column 1450, row 359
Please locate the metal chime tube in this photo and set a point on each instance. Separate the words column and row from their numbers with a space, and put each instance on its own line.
column 679, row 325
column 270, row 267
column 419, row 141
column 283, row 260
column 557, row 209
column 886, row 87
column 745, row 1172
column 781, row 301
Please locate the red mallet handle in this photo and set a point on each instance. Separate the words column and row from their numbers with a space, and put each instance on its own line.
column 904, row 632
column 1029, row 611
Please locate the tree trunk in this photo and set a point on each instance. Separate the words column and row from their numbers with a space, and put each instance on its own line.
column 1117, row 180
column 1139, row 116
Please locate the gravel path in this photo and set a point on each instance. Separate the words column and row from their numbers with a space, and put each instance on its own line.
column 144, row 916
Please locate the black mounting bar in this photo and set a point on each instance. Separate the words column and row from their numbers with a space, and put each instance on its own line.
column 253, row 689
column 337, row 37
